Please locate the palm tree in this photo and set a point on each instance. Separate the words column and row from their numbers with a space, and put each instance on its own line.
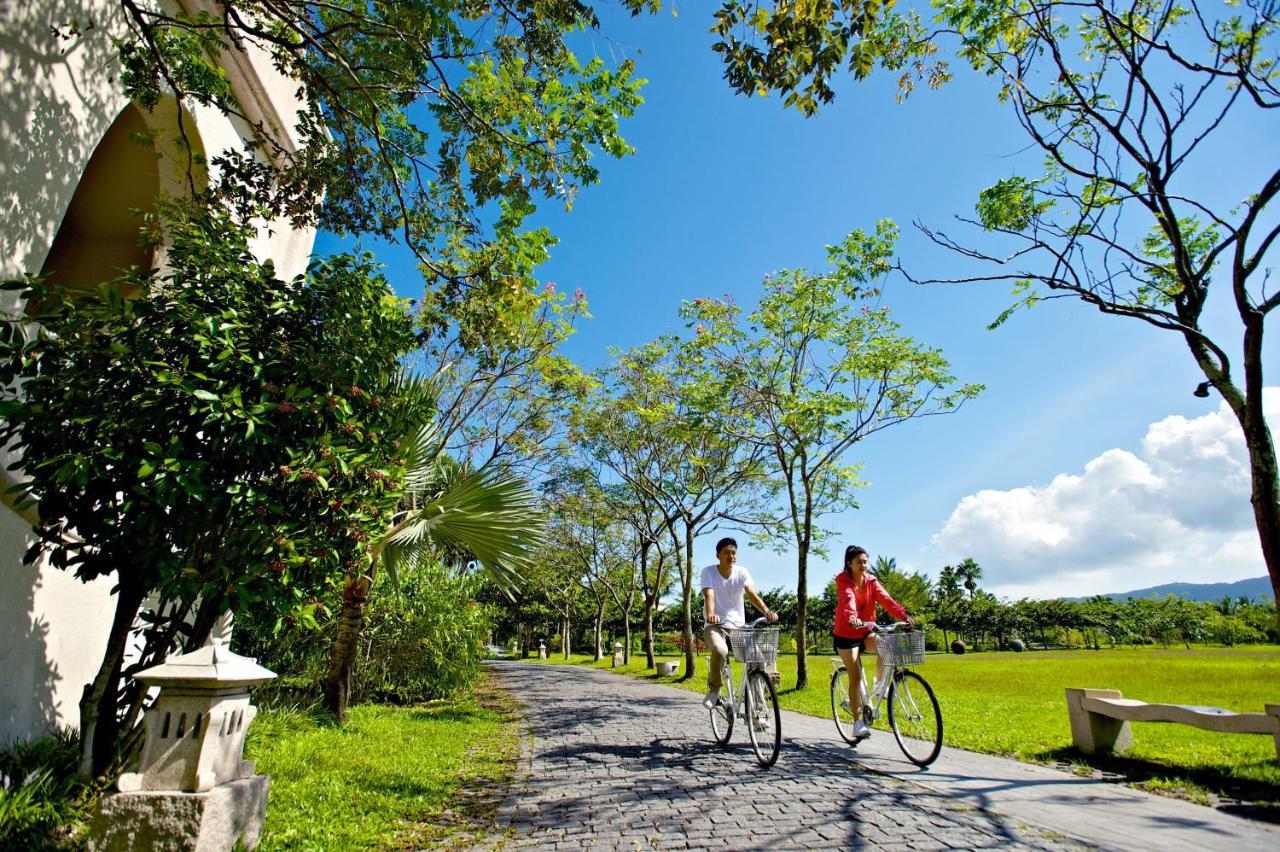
column 969, row 571
column 885, row 565
column 948, row 584
column 487, row 515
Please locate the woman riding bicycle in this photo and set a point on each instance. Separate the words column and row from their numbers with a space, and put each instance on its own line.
column 857, row 594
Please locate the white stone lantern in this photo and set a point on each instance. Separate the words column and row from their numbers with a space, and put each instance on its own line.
column 195, row 730
column 193, row 790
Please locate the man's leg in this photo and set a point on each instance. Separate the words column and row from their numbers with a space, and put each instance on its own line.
column 719, row 648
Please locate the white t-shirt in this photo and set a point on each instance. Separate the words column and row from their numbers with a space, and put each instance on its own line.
column 727, row 593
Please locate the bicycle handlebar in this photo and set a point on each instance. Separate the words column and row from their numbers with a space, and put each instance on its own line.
column 762, row 620
column 894, row 627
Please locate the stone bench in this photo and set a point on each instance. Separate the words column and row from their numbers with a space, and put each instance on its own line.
column 667, row 668
column 1100, row 719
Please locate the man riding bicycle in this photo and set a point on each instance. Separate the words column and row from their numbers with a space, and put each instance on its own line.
column 723, row 587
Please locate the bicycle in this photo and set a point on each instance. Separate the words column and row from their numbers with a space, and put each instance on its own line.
column 914, row 714
column 756, row 702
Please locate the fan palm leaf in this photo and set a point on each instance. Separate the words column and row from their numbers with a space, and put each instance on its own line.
column 489, row 514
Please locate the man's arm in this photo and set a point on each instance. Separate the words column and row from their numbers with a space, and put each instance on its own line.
column 758, row 603
column 709, row 606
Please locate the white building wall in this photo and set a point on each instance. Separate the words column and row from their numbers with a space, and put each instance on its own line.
column 58, row 97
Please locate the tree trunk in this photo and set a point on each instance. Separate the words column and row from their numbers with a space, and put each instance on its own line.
column 686, row 580
column 1264, row 491
column 802, row 601
column 648, row 635
column 337, row 682
column 98, row 721
column 650, row 599
column 599, row 630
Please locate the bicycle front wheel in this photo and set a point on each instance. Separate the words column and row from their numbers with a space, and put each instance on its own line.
column 722, row 718
column 840, row 710
column 915, row 717
column 764, row 722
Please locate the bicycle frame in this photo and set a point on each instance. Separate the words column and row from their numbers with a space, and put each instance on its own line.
column 736, row 701
column 879, row 689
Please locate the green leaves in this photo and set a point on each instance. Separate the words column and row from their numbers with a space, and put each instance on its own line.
column 221, row 433
column 440, row 125
column 1011, row 205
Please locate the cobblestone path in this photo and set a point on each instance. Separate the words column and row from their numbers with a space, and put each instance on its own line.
column 618, row 763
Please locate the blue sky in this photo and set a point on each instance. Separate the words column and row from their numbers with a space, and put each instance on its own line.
column 725, row 189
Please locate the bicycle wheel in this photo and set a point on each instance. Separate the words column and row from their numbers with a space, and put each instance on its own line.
column 840, row 710
column 915, row 717
column 722, row 718
column 764, row 722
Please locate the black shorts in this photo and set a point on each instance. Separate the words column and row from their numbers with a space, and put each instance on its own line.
column 843, row 644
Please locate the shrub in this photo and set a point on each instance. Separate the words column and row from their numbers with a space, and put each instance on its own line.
column 425, row 642
column 43, row 804
column 422, row 641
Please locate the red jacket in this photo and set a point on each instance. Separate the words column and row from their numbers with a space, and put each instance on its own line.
column 851, row 602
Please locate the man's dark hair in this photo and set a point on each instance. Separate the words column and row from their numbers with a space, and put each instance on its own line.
column 850, row 553
column 723, row 543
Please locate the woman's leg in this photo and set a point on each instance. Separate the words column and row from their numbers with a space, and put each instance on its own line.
column 849, row 656
column 871, row 648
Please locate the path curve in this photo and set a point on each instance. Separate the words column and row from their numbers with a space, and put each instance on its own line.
column 623, row 763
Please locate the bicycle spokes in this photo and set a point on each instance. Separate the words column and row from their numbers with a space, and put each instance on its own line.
column 915, row 717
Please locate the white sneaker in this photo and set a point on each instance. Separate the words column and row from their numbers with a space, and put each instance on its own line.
column 711, row 698
column 860, row 730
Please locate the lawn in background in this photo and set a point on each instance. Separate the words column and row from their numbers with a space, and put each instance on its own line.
column 392, row 778
column 1015, row 705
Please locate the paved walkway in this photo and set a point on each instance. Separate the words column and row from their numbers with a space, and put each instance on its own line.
column 618, row 763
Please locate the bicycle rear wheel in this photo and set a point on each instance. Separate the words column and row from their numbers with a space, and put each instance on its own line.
column 840, row 710
column 915, row 717
column 722, row 718
column 764, row 722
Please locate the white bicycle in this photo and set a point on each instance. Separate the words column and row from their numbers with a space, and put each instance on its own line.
column 756, row 701
column 914, row 714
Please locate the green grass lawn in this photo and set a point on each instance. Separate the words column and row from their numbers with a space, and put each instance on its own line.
column 1014, row 705
column 392, row 778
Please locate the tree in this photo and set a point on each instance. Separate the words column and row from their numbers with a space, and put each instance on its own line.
column 664, row 407
column 501, row 399
column 968, row 573
column 215, row 440
column 1125, row 100
column 437, row 125
column 634, row 461
column 817, row 367
column 910, row 590
column 487, row 516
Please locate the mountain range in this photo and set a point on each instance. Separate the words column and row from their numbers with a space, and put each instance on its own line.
column 1250, row 589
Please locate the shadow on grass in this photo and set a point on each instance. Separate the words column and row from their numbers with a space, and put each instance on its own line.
column 1256, row 799
column 445, row 712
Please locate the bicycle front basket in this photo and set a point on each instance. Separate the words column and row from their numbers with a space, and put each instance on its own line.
column 759, row 645
column 902, row 649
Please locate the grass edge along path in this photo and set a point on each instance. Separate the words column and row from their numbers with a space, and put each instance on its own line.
column 1014, row 705
column 426, row 775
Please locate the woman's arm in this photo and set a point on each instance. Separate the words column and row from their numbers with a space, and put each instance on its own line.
column 891, row 606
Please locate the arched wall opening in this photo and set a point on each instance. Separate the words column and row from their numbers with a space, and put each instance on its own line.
column 98, row 236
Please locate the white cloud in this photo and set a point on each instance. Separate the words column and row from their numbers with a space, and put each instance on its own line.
column 1176, row 509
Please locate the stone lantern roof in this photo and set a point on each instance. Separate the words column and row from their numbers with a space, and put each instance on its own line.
column 212, row 667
